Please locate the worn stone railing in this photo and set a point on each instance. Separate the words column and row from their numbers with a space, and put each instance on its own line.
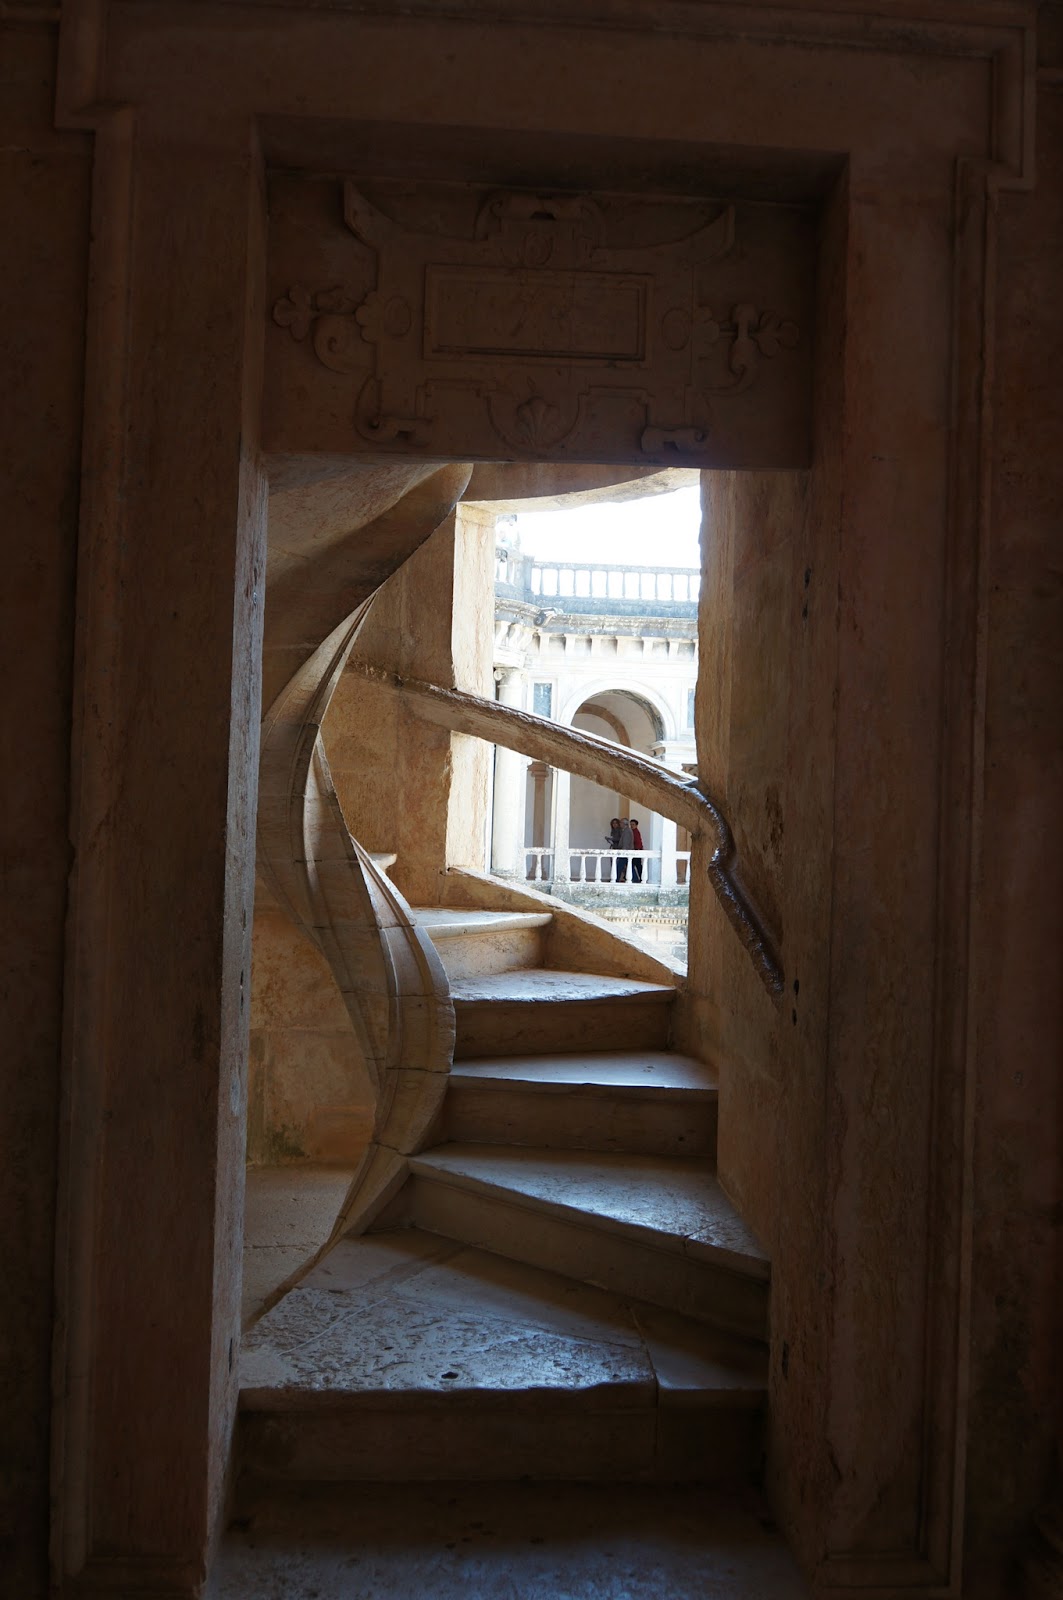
column 658, row 788
column 599, row 867
column 388, row 972
column 597, row 581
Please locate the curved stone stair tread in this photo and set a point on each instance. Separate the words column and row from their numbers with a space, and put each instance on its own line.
column 351, row 1375
column 647, row 1071
column 445, row 922
column 673, row 1204
column 407, row 1314
column 542, row 984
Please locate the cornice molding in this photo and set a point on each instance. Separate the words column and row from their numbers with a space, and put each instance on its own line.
column 669, row 16
column 1002, row 31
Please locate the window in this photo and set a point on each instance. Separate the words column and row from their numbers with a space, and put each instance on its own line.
column 543, row 699
column 690, row 708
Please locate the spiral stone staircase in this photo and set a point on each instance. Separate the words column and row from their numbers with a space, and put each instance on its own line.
column 560, row 1289
column 535, row 1273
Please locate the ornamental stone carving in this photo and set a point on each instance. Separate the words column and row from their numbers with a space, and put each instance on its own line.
column 453, row 321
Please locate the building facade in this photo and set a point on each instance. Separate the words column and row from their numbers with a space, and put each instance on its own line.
column 612, row 650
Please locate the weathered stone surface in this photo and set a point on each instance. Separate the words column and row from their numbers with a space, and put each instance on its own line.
column 45, row 178
column 310, row 1096
column 289, row 1215
column 406, row 786
column 677, row 1203
column 590, row 1541
column 650, row 1102
column 436, row 1338
column 485, row 322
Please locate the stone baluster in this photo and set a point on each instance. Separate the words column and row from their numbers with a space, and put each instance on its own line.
column 539, row 773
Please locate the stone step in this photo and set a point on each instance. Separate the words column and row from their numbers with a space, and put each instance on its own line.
column 404, row 1356
column 475, row 944
column 653, row 1102
column 654, row 1228
column 538, row 1011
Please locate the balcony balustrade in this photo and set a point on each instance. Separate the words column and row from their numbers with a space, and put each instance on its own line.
column 599, row 868
column 597, row 582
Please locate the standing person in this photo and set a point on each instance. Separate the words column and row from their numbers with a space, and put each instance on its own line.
column 612, row 839
column 625, row 844
column 636, row 844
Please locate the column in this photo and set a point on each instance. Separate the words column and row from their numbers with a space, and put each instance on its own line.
column 672, row 753
column 669, row 873
column 562, row 805
column 539, row 774
column 507, row 820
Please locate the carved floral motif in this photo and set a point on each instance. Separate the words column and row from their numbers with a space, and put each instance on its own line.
column 753, row 334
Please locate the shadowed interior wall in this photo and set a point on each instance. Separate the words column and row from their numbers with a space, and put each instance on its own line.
column 309, row 1096
column 775, row 612
column 45, row 178
column 406, row 785
column 1017, row 1325
column 765, row 734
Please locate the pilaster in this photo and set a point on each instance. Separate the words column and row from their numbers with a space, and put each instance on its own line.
column 167, row 709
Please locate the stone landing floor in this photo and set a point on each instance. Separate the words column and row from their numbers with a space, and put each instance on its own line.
column 504, row 1542
column 289, row 1213
column 412, row 1316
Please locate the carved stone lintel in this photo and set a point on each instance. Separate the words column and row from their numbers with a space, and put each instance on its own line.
column 558, row 326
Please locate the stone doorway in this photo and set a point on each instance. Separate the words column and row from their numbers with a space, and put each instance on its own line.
column 892, row 237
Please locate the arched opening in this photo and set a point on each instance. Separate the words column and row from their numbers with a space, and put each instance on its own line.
column 630, row 720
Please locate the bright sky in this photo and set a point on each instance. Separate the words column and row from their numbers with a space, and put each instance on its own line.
column 660, row 530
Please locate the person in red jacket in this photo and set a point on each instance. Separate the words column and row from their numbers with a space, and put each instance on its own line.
column 636, row 844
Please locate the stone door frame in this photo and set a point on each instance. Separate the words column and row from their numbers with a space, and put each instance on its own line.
column 170, row 595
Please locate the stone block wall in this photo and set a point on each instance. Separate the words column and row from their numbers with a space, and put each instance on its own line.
column 309, row 1096
column 406, row 785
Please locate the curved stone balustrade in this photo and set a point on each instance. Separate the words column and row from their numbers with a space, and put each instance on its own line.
column 393, row 984
column 612, row 766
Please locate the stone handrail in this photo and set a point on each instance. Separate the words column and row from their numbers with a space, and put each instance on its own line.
column 672, row 794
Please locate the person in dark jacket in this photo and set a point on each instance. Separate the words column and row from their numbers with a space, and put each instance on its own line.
column 612, row 839
column 625, row 844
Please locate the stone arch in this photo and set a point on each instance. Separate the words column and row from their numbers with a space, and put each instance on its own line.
column 641, row 728
column 656, row 707
column 595, row 708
